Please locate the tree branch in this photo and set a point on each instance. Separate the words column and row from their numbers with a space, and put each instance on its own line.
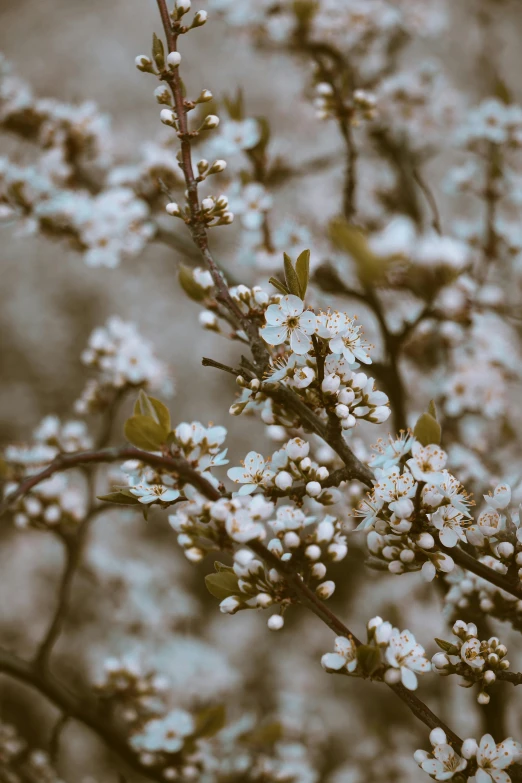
column 83, row 708
column 175, row 465
column 470, row 563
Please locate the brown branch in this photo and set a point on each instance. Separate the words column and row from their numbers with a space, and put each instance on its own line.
column 470, row 563
column 175, row 465
column 309, row 599
column 196, row 223
column 82, row 708
column 515, row 678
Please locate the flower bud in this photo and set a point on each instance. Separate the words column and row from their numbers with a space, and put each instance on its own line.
column 440, row 660
column 217, row 167
column 313, row 552
column 330, row 384
column 173, row 209
column 275, row 622
column 505, row 549
column 199, row 19
column 182, row 7
column 346, row 396
column 173, row 60
column 204, row 96
column 342, row 411
column 349, row 422
column 207, row 204
column 144, row 63
column 291, row 540
column 325, row 590
column 469, row 748
column 426, row 541
column 162, row 95
column 392, row 676
column 210, row 122
column 483, row 698
column 283, row 480
column 168, row 117
column 437, row 737
column 318, row 570
column 313, row 488
column 489, row 677
column 297, row 448
column 420, row 756
column 263, row 600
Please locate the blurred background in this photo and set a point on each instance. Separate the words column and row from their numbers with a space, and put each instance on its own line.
column 134, row 591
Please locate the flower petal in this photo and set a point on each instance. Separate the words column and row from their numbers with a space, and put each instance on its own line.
column 300, row 342
column 274, row 335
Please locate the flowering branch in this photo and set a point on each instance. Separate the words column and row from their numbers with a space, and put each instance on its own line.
column 196, row 223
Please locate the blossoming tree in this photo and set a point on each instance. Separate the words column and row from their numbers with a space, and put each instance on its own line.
column 273, row 533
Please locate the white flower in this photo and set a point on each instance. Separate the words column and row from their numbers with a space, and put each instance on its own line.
column 407, row 656
column 287, row 321
column 236, row 136
column 241, row 527
column 501, row 497
column 344, row 657
column 149, row 493
column 493, row 759
column 165, row 734
column 490, row 522
column 253, row 474
column 348, row 342
column 444, row 764
column 471, row 653
column 427, row 462
column 448, row 522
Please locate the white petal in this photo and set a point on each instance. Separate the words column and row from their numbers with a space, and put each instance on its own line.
column 448, row 536
column 308, row 322
column 300, row 342
column 291, row 305
column 274, row 315
column 274, row 335
column 409, row 680
column 333, row 661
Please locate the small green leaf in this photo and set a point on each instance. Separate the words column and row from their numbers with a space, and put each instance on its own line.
column 221, row 567
column 448, row 647
column 268, row 734
column 292, row 281
column 158, row 52
column 432, row 410
column 209, row 721
column 262, row 144
column 302, row 268
column 222, row 585
column 192, row 289
column 371, row 269
column 154, row 409
column 120, row 498
column 368, row 658
column 279, row 286
column 145, row 433
column 427, row 430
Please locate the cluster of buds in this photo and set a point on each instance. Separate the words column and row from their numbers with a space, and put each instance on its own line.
column 398, row 553
column 389, row 654
column 353, row 395
column 475, row 661
column 329, row 104
column 136, row 694
column 250, row 584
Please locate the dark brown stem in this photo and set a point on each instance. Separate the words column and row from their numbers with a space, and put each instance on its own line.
column 175, row 465
column 470, row 563
column 515, row 678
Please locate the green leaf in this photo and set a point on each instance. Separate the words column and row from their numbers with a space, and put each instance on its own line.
column 154, row 409
column 262, row 144
column 427, row 430
column 368, row 658
column 222, row 567
column 268, row 734
column 145, row 433
column 371, row 269
column 292, row 281
column 158, row 52
column 432, row 410
column 302, row 268
column 210, row 720
column 448, row 647
column 234, row 105
column 120, row 498
column 192, row 289
column 279, row 285
column 222, row 585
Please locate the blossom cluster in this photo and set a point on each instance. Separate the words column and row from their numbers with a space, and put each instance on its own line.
column 475, row 661
column 392, row 655
column 483, row 762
